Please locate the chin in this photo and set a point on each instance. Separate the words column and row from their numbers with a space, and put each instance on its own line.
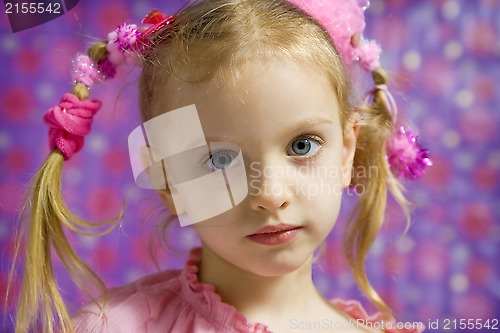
column 279, row 265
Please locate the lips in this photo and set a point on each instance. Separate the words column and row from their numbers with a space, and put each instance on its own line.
column 275, row 234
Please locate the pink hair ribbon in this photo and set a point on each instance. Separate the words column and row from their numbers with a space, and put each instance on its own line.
column 69, row 122
column 387, row 97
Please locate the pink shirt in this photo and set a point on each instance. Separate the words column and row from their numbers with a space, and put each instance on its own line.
column 175, row 301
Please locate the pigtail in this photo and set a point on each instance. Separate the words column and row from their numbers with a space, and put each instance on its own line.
column 375, row 180
column 40, row 303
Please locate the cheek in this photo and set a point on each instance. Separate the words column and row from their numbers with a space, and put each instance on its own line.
column 322, row 189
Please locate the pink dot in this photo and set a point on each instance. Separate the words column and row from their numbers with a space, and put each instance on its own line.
column 60, row 56
column 103, row 203
column 432, row 260
column 333, row 260
column 438, row 214
column 27, row 60
column 116, row 161
column 438, row 176
column 403, row 79
column 481, row 38
column 17, row 104
column 111, row 15
column 142, row 251
column 11, row 196
column 479, row 272
column 476, row 126
column 393, row 299
column 473, row 306
column 105, row 257
column 485, row 177
column 477, row 220
column 391, row 32
column 16, row 160
column 14, row 291
column 447, row 77
column 484, row 88
column 396, row 263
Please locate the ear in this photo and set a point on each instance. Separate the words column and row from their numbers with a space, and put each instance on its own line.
column 351, row 131
column 156, row 171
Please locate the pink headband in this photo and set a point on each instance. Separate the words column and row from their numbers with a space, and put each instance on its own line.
column 344, row 21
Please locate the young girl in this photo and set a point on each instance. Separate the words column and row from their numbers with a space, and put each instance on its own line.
column 250, row 134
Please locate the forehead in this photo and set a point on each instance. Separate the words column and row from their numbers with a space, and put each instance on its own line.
column 256, row 94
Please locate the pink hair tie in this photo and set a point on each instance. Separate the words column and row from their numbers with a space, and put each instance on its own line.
column 85, row 71
column 387, row 97
column 69, row 122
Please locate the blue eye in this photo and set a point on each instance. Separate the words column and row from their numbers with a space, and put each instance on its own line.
column 220, row 160
column 305, row 146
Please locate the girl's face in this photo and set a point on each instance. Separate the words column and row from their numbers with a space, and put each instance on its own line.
column 285, row 119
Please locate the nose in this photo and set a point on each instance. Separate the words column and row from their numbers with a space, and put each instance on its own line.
column 269, row 189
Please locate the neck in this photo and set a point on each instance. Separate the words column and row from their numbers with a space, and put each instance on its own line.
column 258, row 297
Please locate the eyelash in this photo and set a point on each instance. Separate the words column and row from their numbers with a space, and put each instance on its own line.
column 320, row 142
column 207, row 158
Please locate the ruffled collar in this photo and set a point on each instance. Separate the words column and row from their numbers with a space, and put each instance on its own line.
column 209, row 304
column 226, row 318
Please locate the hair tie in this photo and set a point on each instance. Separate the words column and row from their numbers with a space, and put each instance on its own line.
column 387, row 99
column 69, row 122
column 407, row 159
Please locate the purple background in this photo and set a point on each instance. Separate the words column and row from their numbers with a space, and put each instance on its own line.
column 444, row 58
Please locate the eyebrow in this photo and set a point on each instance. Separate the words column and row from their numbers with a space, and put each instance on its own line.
column 302, row 124
column 309, row 123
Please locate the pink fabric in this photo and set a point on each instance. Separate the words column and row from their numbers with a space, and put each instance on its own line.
column 343, row 20
column 175, row 301
column 69, row 122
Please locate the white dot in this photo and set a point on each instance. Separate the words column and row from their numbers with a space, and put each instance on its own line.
column 413, row 294
column 495, row 233
column 405, row 244
column 377, row 7
column 460, row 254
column 412, row 60
column 447, row 234
column 451, row 139
column 5, row 140
column 453, row 50
column 97, row 143
column 451, row 9
column 189, row 238
column 72, row 176
column 132, row 193
column 323, row 284
column 9, row 44
column 464, row 98
column 345, row 280
column 494, row 159
column 88, row 242
column 45, row 92
column 459, row 283
column 3, row 228
column 465, row 161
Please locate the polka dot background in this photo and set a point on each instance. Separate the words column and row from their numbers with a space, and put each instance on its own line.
column 444, row 60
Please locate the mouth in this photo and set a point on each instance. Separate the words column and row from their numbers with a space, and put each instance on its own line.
column 275, row 234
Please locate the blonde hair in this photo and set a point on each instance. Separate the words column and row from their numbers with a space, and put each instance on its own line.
column 211, row 37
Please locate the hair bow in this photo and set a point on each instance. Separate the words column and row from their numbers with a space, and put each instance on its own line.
column 158, row 21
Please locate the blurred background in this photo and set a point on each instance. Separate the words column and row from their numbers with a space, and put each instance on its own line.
column 444, row 60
